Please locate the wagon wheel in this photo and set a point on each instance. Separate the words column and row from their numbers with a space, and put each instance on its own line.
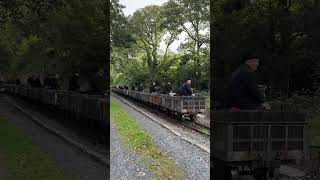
column 272, row 174
column 180, row 116
column 261, row 174
column 234, row 174
column 167, row 111
column 192, row 117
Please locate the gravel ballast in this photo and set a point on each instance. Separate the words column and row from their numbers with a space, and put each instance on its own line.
column 172, row 124
column 193, row 160
column 124, row 164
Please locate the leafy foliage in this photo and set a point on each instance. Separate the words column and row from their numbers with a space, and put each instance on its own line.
column 151, row 31
column 54, row 36
column 282, row 33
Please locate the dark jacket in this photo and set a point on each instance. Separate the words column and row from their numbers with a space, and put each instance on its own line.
column 46, row 82
column 167, row 88
column 152, row 88
column 30, row 81
column 243, row 90
column 185, row 90
column 36, row 83
column 54, row 83
column 51, row 82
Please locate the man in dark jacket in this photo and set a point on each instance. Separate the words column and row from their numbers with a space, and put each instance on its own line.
column 167, row 88
column 46, row 81
column 186, row 90
column 74, row 82
column 243, row 90
column 152, row 88
column 30, row 80
column 55, row 81
column 98, row 83
column 37, row 82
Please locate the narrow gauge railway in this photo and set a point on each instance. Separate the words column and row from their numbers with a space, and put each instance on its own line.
column 176, row 107
column 197, row 127
column 89, row 113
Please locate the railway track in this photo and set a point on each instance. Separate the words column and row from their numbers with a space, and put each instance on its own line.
column 197, row 127
column 156, row 115
column 186, row 123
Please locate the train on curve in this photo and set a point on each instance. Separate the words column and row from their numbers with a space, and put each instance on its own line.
column 178, row 106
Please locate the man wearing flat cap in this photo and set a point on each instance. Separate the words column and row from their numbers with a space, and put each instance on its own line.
column 244, row 93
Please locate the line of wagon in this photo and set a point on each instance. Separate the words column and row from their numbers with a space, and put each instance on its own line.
column 180, row 106
column 90, row 111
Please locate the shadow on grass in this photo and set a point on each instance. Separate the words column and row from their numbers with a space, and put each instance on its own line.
column 24, row 160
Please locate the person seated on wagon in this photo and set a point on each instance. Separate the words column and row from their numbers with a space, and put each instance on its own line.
column 152, row 88
column 244, row 93
column 185, row 89
column 98, row 85
column 36, row 82
column 167, row 88
column 74, row 82
column 30, row 80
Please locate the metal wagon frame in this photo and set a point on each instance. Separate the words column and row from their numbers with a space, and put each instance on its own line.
column 256, row 141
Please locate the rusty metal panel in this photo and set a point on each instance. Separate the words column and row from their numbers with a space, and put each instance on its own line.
column 193, row 104
column 156, row 100
column 61, row 99
column 76, row 102
column 3, row 97
column 92, row 107
column 36, row 94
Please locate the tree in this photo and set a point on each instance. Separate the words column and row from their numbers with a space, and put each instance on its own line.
column 193, row 18
column 153, row 29
column 55, row 36
column 280, row 32
column 149, row 28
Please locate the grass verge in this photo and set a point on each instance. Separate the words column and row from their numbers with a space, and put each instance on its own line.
column 24, row 160
column 139, row 141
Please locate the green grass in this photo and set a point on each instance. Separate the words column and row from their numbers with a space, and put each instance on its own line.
column 138, row 140
column 22, row 159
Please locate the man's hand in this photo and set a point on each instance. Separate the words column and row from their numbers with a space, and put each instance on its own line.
column 266, row 106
